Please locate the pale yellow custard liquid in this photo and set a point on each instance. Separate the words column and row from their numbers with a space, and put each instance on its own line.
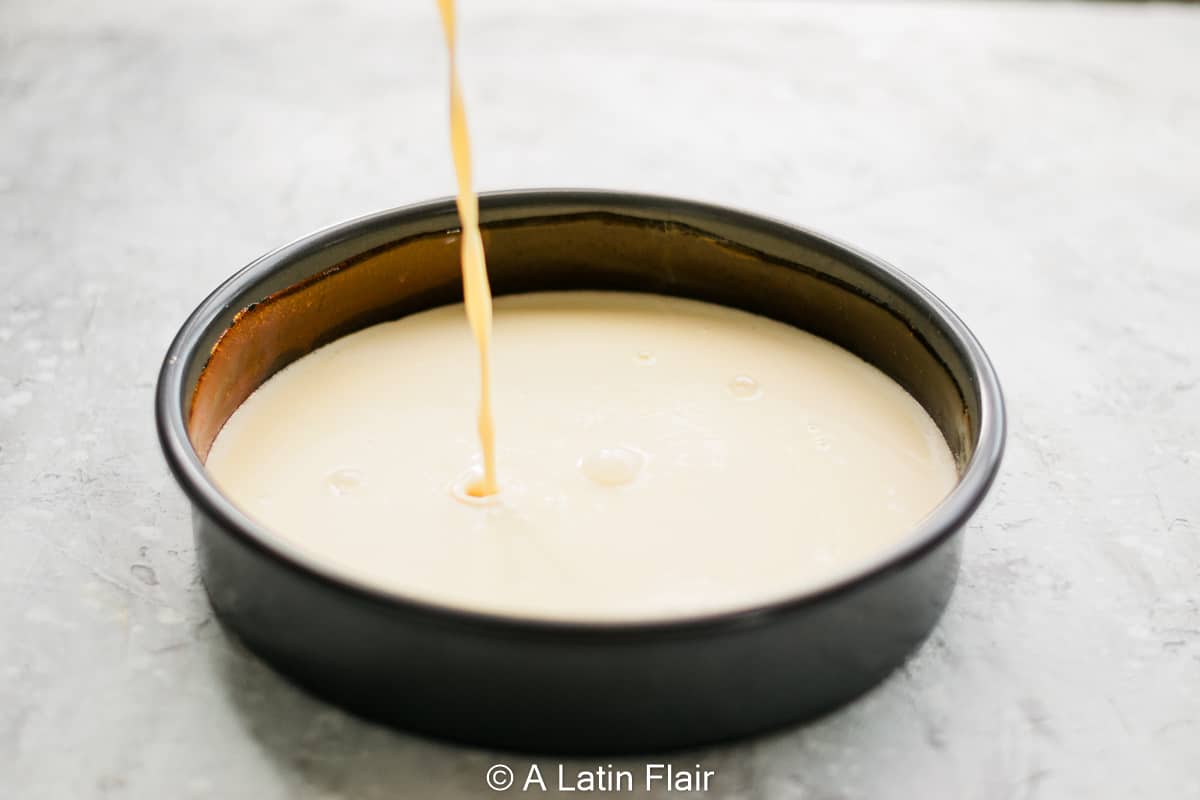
column 663, row 458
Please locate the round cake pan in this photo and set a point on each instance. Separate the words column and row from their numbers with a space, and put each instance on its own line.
column 551, row 686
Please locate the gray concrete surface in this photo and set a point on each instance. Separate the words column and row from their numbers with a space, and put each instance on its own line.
column 1036, row 165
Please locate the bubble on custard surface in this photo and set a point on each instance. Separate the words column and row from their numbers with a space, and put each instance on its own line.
column 612, row 466
column 344, row 481
column 645, row 358
column 744, row 387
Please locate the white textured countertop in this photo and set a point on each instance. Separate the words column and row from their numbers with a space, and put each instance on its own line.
column 1038, row 166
